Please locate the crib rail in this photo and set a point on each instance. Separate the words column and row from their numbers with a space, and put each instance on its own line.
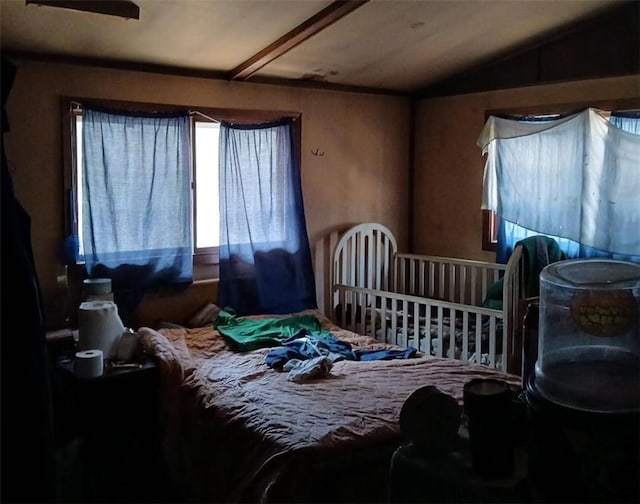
column 441, row 328
column 513, row 308
column 455, row 280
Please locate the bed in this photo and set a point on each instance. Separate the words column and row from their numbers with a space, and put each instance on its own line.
column 237, row 430
column 445, row 307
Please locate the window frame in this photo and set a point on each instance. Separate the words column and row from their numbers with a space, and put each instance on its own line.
column 205, row 259
column 489, row 230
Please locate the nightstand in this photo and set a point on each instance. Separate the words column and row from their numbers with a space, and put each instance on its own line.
column 109, row 430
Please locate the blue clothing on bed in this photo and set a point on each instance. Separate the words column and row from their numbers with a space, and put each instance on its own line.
column 308, row 345
column 387, row 354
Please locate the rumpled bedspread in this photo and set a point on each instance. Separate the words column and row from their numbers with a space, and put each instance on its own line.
column 237, row 430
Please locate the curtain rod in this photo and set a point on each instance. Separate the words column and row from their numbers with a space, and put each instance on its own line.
column 77, row 107
column 197, row 112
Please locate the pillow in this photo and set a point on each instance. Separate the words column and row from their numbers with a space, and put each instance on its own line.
column 204, row 316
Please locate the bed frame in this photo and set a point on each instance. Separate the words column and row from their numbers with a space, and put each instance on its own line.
column 410, row 299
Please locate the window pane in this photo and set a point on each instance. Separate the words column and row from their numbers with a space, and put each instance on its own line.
column 206, row 184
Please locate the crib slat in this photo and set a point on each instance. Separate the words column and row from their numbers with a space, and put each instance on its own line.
column 376, row 250
column 430, row 292
column 474, row 285
column 361, row 273
column 492, row 342
column 383, row 319
column 451, row 353
column 351, row 257
column 405, row 323
column 465, row 336
column 452, row 284
column 478, row 338
column 463, row 284
column 440, row 332
column 416, row 325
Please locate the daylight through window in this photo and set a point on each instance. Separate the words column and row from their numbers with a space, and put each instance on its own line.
column 203, row 172
column 205, row 176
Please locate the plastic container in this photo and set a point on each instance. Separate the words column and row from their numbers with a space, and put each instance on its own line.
column 589, row 331
column 97, row 289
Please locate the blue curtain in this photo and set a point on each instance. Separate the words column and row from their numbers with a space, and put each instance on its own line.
column 582, row 177
column 626, row 121
column 265, row 259
column 136, row 204
column 509, row 234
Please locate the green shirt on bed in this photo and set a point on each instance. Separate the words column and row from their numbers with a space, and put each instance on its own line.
column 243, row 334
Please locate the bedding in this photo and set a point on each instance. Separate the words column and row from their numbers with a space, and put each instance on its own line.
column 440, row 328
column 239, row 430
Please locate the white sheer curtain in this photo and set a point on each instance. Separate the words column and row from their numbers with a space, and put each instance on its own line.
column 576, row 178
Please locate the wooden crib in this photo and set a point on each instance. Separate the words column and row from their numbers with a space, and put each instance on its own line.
column 434, row 304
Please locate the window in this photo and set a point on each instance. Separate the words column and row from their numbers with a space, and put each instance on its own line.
column 204, row 137
column 490, row 220
column 207, row 228
column 538, row 174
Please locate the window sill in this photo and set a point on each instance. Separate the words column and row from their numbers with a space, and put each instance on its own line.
column 206, row 272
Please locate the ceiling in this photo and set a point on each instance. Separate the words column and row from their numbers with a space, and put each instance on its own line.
column 393, row 45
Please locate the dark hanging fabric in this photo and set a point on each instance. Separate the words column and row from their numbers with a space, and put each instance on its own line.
column 265, row 259
column 27, row 440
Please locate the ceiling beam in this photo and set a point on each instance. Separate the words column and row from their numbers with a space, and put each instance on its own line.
column 300, row 33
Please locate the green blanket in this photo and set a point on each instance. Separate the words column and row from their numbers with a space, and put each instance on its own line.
column 243, row 334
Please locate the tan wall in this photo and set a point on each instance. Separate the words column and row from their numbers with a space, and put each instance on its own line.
column 448, row 166
column 362, row 176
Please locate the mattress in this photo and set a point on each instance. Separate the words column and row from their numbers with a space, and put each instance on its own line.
column 238, row 430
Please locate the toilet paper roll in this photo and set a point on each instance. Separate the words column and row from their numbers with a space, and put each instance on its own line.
column 99, row 327
column 88, row 364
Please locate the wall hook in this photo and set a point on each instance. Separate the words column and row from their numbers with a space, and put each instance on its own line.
column 317, row 152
